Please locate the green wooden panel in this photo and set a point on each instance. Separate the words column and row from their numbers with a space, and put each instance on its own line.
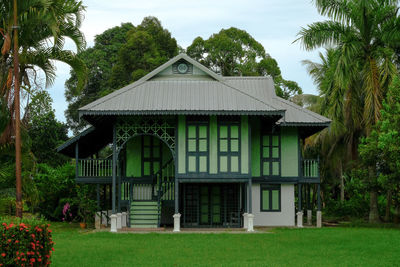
column 192, row 164
column 146, row 152
column 275, row 140
column 234, row 131
column 181, row 144
column 275, row 152
column 134, row 157
column 265, row 139
column 265, row 199
column 275, row 199
column 156, row 166
column 146, row 139
column 223, row 163
column 213, row 151
column 290, row 152
column 255, row 147
column 223, row 131
column 191, row 131
column 223, row 145
column 245, row 130
column 275, row 168
column 266, row 170
column 234, row 164
column 202, row 131
column 146, row 168
column 266, row 152
column 156, row 150
column 203, row 145
column 234, row 145
column 192, row 145
column 203, row 164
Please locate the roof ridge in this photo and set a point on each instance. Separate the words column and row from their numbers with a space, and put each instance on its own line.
column 309, row 112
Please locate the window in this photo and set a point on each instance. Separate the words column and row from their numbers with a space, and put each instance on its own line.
column 270, row 198
column 229, row 147
column 197, row 147
column 151, row 155
column 271, row 154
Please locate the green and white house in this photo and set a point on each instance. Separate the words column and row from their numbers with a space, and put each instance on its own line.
column 195, row 149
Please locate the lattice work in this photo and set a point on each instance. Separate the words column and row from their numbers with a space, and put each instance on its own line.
column 160, row 128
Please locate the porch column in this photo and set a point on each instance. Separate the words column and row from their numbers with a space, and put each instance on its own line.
column 309, row 210
column 177, row 215
column 76, row 159
column 300, row 209
column 319, row 213
column 250, row 216
column 114, row 183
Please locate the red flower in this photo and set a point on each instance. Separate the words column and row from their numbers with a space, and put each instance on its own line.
column 3, row 254
column 39, row 260
column 33, row 260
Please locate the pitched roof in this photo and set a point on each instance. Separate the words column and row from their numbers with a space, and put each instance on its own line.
column 209, row 94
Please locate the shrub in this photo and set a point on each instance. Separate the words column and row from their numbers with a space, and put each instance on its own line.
column 25, row 243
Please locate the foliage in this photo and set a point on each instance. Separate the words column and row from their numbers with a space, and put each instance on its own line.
column 46, row 25
column 45, row 131
column 234, row 52
column 85, row 203
column 120, row 55
column 25, row 243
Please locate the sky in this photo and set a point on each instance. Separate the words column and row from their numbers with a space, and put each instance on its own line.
column 273, row 23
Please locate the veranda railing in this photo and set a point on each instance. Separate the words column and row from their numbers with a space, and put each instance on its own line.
column 310, row 168
column 94, row 167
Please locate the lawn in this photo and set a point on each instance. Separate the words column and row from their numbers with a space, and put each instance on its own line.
column 278, row 247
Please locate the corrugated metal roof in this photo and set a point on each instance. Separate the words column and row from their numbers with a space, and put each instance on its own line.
column 220, row 95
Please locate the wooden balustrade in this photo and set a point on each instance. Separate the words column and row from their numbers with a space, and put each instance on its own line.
column 310, row 168
column 94, row 168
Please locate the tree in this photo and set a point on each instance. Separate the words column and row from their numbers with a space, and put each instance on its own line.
column 364, row 34
column 382, row 147
column 45, row 132
column 234, row 52
column 120, row 55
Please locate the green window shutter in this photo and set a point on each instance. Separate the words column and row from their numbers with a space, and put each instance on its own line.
column 197, row 147
column 265, row 152
column 234, row 131
column 223, row 145
column 203, row 131
column 275, row 152
column 234, row 145
column 192, row 164
column 275, row 200
column 223, row 162
column 265, row 200
column 223, row 131
column 146, row 153
column 146, row 168
column 203, row 145
column 234, row 163
column 266, row 168
column 191, row 131
column 202, row 164
column 192, row 145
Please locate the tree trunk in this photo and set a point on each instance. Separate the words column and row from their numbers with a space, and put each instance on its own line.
column 373, row 207
column 341, row 182
column 388, row 205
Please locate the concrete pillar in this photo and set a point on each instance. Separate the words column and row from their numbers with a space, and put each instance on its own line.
column 300, row 219
column 250, row 224
column 97, row 220
column 245, row 220
column 104, row 217
column 309, row 217
column 319, row 219
column 113, row 223
column 124, row 219
column 119, row 220
column 177, row 222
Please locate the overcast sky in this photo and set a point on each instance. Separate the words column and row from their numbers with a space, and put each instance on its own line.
column 274, row 23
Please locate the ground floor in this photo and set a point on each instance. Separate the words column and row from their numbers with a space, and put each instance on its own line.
column 163, row 203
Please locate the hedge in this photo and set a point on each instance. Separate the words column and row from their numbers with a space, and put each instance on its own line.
column 25, row 243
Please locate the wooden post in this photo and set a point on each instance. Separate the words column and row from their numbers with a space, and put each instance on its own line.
column 176, row 196
column 98, row 197
column 319, row 197
column 114, row 171
column 77, row 159
column 299, row 196
column 250, row 208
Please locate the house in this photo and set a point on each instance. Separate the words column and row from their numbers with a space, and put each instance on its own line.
column 195, row 149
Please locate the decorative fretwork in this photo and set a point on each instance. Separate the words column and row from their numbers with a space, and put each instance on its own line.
column 160, row 128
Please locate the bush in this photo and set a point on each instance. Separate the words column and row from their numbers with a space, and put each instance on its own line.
column 25, row 243
column 7, row 206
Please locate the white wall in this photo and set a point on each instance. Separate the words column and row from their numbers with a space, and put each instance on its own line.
column 285, row 217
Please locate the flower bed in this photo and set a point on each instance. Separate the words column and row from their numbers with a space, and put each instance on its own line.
column 25, row 243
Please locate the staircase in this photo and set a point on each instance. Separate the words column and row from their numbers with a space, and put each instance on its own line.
column 144, row 214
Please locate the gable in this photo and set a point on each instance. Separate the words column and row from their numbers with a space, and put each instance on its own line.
column 182, row 70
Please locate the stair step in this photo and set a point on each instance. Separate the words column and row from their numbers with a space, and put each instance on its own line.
column 144, row 216
column 144, row 225
column 144, row 203
column 144, row 221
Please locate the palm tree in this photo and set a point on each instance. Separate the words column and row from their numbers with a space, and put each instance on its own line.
column 364, row 35
column 39, row 29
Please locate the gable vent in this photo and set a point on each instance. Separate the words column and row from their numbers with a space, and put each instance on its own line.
column 182, row 67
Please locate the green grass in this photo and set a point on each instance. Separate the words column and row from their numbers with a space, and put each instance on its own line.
column 279, row 247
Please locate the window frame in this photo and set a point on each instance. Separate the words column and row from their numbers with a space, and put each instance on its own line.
column 229, row 153
column 270, row 188
column 151, row 158
column 270, row 159
column 198, row 153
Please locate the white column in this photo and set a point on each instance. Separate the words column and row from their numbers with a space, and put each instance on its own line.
column 119, row 220
column 97, row 220
column 309, row 217
column 250, row 224
column 123, row 222
column 177, row 222
column 245, row 220
column 319, row 219
column 300, row 219
column 113, row 223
